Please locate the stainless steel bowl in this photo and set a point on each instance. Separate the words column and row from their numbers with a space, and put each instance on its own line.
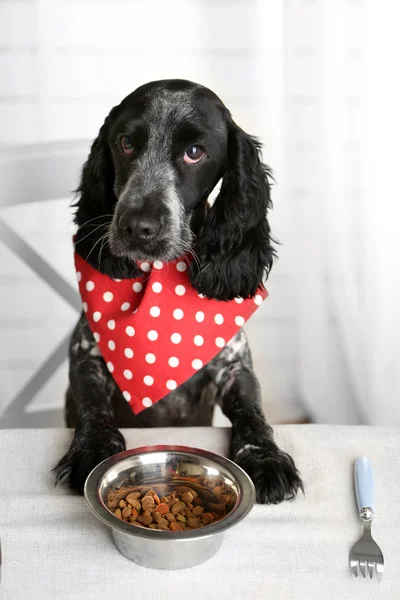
column 165, row 465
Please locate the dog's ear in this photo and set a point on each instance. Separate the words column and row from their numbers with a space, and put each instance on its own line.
column 234, row 247
column 96, row 189
column 95, row 207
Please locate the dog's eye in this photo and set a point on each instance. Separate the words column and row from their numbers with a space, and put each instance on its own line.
column 126, row 145
column 193, row 154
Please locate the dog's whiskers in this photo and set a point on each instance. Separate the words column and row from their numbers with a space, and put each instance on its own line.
column 105, row 241
column 94, row 219
column 181, row 246
column 94, row 230
column 104, row 236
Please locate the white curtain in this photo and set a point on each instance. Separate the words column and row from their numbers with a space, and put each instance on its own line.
column 342, row 179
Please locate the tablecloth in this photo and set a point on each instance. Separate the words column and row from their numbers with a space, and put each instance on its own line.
column 54, row 548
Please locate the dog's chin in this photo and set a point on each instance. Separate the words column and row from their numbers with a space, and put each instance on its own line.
column 161, row 250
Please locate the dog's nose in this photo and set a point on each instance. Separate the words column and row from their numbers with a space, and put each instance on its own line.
column 140, row 228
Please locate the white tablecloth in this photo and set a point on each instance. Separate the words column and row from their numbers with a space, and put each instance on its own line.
column 53, row 548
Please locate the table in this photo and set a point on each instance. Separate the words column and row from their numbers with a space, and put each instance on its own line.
column 54, row 548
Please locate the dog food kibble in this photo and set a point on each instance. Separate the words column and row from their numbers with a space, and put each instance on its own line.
column 133, row 497
column 181, row 510
column 127, row 511
column 192, row 523
column 145, row 518
column 162, row 508
column 207, row 518
column 187, row 497
column 170, row 517
column 197, row 511
column 148, row 503
column 178, row 507
column 175, row 526
column 133, row 516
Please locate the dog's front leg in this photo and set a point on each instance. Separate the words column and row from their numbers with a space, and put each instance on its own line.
column 252, row 446
column 96, row 434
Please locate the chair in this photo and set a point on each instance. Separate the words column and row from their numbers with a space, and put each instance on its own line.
column 31, row 174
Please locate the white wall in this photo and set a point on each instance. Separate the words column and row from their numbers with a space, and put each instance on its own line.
column 63, row 65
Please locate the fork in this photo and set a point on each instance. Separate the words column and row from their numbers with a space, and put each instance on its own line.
column 365, row 555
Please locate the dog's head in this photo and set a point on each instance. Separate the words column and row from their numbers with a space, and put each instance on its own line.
column 144, row 189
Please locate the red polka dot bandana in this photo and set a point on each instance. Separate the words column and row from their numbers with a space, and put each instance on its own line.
column 156, row 331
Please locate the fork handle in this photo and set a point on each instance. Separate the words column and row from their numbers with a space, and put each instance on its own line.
column 364, row 483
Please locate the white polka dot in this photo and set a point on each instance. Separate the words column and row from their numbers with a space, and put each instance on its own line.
column 198, row 340
column 89, row 286
column 181, row 266
column 156, row 287
column 128, row 352
column 117, row 280
column 148, row 380
column 180, row 290
column 199, row 316
column 173, row 361
column 155, row 311
column 85, row 306
column 137, row 286
column 201, row 296
column 150, row 358
column 197, row 364
column 219, row 319
column 171, row 384
column 130, row 331
column 135, row 311
column 178, row 314
column 110, row 367
column 176, row 338
column 108, row 296
column 96, row 336
column 79, row 276
column 145, row 266
column 239, row 321
column 258, row 299
column 128, row 374
column 126, row 395
column 157, row 264
column 147, row 402
column 152, row 335
column 96, row 316
column 111, row 324
column 238, row 300
column 220, row 342
column 111, row 345
column 125, row 306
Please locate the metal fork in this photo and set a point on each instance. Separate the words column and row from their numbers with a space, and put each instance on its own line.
column 365, row 555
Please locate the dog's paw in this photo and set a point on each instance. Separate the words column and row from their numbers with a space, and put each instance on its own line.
column 272, row 471
column 85, row 453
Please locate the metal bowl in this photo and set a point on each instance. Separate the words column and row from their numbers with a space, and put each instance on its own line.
column 166, row 465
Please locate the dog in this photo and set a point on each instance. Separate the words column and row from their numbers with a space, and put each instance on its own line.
column 144, row 195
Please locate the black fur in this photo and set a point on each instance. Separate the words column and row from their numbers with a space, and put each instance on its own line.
column 234, row 247
column 232, row 256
